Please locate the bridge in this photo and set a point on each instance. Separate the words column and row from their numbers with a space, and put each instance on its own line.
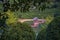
column 24, row 20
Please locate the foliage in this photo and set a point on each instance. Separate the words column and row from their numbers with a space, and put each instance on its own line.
column 3, row 18
column 26, row 5
column 12, row 17
column 41, row 35
column 18, row 31
column 53, row 30
column 49, row 19
column 6, row 18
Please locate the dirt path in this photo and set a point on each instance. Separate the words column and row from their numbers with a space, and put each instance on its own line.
column 24, row 20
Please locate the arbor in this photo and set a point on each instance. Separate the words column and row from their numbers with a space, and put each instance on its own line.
column 18, row 31
column 25, row 5
column 53, row 30
column 6, row 6
column 3, row 18
column 12, row 17
column 6, row 18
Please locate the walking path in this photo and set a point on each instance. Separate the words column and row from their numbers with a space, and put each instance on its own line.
column 24, row 20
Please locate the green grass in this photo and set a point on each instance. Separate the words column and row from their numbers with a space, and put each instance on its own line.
column 39, row 14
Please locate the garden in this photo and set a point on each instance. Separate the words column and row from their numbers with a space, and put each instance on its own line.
column 11, row 11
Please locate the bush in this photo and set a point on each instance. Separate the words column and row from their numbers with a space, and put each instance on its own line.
column 3, row 18
column 53, row 30
column 7, row 18
column 18, row 31
column 12, row 17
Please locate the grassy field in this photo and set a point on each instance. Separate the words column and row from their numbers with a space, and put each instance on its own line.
column 39, row 14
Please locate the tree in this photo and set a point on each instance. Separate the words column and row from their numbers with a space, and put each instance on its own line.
column 6, row 18
column 18, row 31
column 24, row 5
column 6, row 6
column 3, row 18
column 12, row 17
column 53, row 30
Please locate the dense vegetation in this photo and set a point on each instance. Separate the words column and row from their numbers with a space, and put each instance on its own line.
column 53, row 30
column 31, row 8
column 28, row 5
column 10, row 29
column 12, row 10
column 18, row 31
column 3, row 18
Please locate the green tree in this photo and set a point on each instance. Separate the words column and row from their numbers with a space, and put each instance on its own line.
column 12, row 17
column 6, row 6
column 3, row 18
column 42, row 34
column 24, row 5
column 6, row 18
column 18, row 31
column 53, row 30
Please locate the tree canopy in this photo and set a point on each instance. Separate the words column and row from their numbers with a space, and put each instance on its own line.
column 53, row 30
column 18, row 31
column 26, row 5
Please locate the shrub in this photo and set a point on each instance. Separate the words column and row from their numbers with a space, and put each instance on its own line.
column 18, row 31
column 12, row 17
column 42, row 34
column 53, row 30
